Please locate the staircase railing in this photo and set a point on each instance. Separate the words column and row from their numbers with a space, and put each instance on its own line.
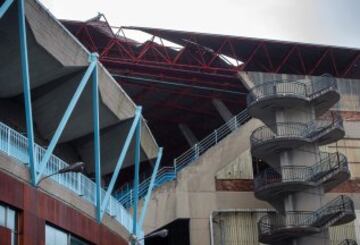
column 348, row 242
column 322, row 218
column 328, row 164
column 300, row 88
column 166, row 174
column 294, row 129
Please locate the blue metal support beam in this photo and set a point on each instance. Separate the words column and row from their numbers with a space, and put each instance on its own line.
column 96, row 123
column 65, row 119
column 120, row 160
column 150, row 188
column 136, row 176
column 4, row 7
column 27, row 90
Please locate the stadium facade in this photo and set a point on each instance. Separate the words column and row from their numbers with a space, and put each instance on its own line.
column 273, row 129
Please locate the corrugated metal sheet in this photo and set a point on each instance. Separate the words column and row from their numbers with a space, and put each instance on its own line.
column 236, row 228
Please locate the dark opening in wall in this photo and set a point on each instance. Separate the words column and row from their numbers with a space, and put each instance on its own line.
column 178, row 234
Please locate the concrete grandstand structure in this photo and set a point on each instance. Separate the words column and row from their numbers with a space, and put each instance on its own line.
column 207, row 193
column 244, row 123
column 72, row 103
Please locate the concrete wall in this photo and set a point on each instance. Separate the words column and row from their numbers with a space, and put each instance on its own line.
column 193, row 195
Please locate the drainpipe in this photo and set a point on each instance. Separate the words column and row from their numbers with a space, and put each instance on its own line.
column 211, row 229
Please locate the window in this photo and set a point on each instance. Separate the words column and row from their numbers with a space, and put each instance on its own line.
column 54, row 236
column 8, row 219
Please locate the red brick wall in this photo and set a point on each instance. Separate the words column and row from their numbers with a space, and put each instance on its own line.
column 350, row 186
column 36, row 208
column 234, row 185
column 5, row 236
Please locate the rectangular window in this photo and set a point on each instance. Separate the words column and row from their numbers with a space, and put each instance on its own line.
column 55, row 236
column 8, row 219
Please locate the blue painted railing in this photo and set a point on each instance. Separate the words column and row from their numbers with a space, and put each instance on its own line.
column 15, row 144
column 166, row 174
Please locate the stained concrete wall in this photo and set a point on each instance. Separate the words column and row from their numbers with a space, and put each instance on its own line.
column 193, row 195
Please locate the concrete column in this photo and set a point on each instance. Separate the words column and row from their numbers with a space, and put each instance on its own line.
column 224, row 112
column 188, row 134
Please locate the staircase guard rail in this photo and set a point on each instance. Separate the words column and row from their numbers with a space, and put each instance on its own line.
column 295, row 129
column 348, row 242
column 328, row 163
column 300, row 88
column 300, row 219
column 167, row 174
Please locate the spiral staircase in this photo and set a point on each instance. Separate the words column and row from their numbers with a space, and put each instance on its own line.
column 297, row 121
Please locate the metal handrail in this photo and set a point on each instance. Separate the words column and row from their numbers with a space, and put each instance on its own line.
column 348, row 242
column 299, row 88
column 300, row 219
column 15, row 144
column 329, row 162
column 294, row 130
column 167, row 174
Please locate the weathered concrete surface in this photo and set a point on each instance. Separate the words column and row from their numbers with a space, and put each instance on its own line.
column 193, row 195
column 57, row 63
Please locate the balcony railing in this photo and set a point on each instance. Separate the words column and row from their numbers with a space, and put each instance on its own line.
column 294, row 224
column 14, row 144
column 166, row 174
column 324, row 170
column 300, row 88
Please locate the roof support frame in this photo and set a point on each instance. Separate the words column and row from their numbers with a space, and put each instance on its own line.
column 120, row 160
column 150, row 188
column 5, row 6
column 64, row 120
column 27, row 90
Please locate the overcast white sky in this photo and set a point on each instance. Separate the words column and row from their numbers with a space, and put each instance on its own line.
column 333, row 22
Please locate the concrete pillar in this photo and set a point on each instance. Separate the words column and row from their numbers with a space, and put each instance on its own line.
column 245, row 79
column 224, row 112
column 307, row 155
column 188, row 134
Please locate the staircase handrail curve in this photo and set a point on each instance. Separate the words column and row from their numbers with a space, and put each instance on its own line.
column 348, row 242
column 275, row 87
column 300, row 87
column 328, row 162
column 294, row 129
column 192, row 153
column 274, row 221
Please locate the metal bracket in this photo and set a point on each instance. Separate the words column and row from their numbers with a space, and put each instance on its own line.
column 120, row 161
column 65, row 119
column 150, row 188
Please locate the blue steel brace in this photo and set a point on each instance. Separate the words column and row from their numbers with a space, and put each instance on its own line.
column 150, row 188
column 5, row 6
column 97, row 148
column 65, row 119
column 120, row 160
column 27, row 89
column 136, row 176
